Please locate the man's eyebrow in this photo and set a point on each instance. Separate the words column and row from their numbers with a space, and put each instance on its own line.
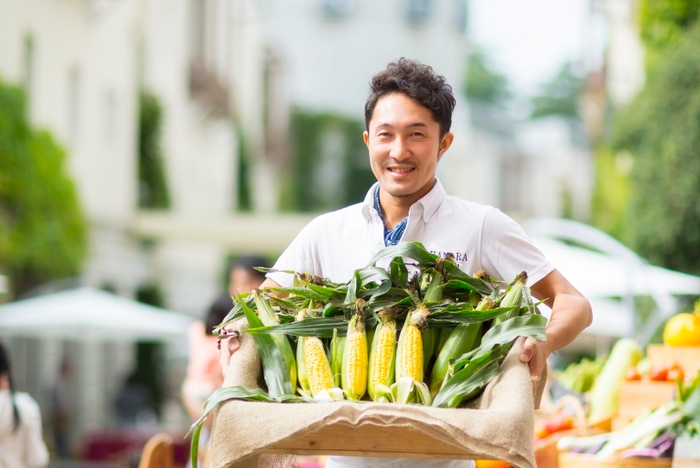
column 415, row 124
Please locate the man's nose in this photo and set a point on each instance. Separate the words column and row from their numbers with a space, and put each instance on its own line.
column 399, row 149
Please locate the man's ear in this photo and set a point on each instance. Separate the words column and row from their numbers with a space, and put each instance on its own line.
column 445, row 143
column 365, row 136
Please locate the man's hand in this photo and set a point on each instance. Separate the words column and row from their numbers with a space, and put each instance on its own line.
column 228, row 346
column 535, row 354
column 571, row 314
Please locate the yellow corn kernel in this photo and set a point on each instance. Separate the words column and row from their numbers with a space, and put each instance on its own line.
column 355, row 361
column 410, row 359
column 382, row 356
column 318, row 370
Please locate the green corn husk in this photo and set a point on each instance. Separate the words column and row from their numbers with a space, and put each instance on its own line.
column 430, row 344
column 267, row 317
column 276, row 373
column 513, row 298
column 463, row 338
column 337, row 348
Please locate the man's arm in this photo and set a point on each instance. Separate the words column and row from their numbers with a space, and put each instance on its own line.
column 571, row 314
column 231, row 344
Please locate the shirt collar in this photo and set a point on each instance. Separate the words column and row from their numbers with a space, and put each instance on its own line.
column 426, row 206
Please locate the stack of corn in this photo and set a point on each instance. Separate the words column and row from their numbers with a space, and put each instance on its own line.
column 421, row 331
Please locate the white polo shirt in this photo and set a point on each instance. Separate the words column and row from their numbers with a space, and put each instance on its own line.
column 481, row 237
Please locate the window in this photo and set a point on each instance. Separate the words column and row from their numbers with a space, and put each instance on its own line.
column 418, row 10
column 73, row 105
column 338, row 8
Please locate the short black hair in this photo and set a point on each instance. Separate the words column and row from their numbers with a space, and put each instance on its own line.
column 217, row 312
column 250, row 262
column 5, row 369
column 417, row 81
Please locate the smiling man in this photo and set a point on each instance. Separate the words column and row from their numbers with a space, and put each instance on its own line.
column 408, row 116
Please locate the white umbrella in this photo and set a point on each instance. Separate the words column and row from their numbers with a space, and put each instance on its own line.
column 610, row 275
column 89, row 314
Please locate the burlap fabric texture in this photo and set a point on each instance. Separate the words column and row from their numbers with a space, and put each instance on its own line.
column 498, row 425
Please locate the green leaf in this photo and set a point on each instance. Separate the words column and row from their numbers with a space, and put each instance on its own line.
column 320, row 326
column 532, row 326
column 275, row 371
column 475, row 374
column 413, row 250
column 399, row 272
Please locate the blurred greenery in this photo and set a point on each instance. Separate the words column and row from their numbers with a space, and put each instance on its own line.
column 42, row 227
column 330, row 166
column 661, row 128
column 662, row 24
column 244, row 198
column 560, row 96
column 483, row 82
column 611, row 191
column 153, row 188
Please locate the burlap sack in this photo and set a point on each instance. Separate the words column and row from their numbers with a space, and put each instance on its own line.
column 499, row 424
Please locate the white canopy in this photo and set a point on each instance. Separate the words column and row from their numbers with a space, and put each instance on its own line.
column 610, row 275
column 89, row 314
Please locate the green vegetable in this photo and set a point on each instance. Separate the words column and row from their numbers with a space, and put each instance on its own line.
column 606, row 390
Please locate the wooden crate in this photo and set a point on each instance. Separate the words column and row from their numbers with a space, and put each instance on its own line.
column 686, row 357
column 638, row 395
column 575, row 460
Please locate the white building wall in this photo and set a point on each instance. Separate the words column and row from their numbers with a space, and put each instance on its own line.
column 329, row 61
column 553, row 161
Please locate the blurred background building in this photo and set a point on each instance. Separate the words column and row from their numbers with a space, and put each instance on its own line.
column 199, row 130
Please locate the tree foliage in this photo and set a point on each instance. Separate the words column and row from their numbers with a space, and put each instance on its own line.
column 330, row 165
column 559, row 96
column 662, row 23
column 42, row 228
column 483, row 82
column 153, row 188
column 661, row 128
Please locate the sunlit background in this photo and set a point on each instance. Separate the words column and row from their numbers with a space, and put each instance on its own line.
column 145, row 144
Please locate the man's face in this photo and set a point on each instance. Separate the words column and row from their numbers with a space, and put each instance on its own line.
column 404, row 147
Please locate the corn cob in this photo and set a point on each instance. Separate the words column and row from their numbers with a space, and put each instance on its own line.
column 409, row 357
column 383, row 355
column 337, row 348
column 463, row 338
column 512, row 298
column 268, row 318
column 355, row 361
column 316, row 365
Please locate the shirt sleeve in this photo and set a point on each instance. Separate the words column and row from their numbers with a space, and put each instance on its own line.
column 36, row 453
column 506, row 250
column 300, row 256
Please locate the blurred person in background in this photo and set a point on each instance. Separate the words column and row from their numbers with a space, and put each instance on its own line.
column 204, row 374
column 243, row 276
column 408, row 116
column 21, row 441
column 62, row 399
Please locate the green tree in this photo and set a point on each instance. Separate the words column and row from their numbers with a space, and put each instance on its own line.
column 559, row 96
column 42, row 228
column 483, row 83
column 661, row 128
column 153, row 188
column 662, row 23
column 330, row 166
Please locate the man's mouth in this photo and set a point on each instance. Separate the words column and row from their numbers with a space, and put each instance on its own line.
column 400, row 170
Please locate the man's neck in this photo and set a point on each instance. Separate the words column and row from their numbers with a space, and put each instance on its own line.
column 394, row 209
